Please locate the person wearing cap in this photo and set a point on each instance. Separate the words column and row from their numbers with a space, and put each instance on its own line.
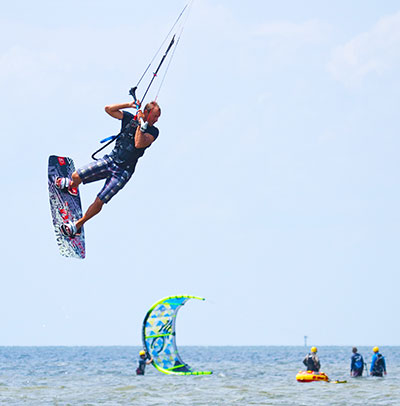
column 357, row 363
column 311, row 360
column 378, row 364
column 143, row 361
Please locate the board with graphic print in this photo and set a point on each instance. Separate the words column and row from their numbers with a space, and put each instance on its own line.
column 65, row 207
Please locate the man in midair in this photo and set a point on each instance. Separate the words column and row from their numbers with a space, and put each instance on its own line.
column 117, row 167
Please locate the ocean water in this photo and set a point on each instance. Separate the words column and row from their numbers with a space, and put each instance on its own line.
column 242, row 376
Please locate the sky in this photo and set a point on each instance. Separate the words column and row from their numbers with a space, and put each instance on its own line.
column 272, row 190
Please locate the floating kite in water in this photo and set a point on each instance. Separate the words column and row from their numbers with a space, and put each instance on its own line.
column 159, row 336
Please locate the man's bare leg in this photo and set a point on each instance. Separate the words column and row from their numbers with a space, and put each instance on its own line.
column 93, row 209
column 75, row 179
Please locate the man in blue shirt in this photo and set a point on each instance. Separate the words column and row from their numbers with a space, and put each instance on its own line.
column 357, row 363
column 117, row 167
column 378, row 364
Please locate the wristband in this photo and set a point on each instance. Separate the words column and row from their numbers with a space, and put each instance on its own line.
column 143, row 127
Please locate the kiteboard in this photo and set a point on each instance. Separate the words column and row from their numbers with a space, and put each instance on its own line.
column 65, row 207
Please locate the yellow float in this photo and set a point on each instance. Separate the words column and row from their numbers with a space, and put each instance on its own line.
column 311, row 376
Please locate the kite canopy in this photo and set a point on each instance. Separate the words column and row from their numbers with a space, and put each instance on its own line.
column 159, row 336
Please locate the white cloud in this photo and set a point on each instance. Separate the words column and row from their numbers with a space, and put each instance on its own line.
column 42, row 60
column 276, row 44
column 376, row 51
column 311, row 31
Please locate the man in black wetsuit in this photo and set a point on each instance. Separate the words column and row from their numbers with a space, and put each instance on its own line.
column 143, row 361
column 378, row 363
column 311, row 360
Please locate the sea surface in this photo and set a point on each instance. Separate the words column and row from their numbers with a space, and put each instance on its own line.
column 241, row 376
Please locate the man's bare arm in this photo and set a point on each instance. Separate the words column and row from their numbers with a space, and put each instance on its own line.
column 142, row 139
column 114, row 110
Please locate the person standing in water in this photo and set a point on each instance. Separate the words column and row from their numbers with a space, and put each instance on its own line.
column 378, row 364
column 357, row 363
column 311, row 360
column 143, row 361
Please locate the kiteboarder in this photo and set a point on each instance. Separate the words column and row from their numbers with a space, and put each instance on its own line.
column 137, row 134
column 378, row 364
column 311, row 360
column 143, row 361
column 357, row 363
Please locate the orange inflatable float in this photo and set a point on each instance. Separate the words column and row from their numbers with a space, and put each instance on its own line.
column 311, row 376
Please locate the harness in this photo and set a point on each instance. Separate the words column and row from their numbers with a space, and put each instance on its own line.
column 378, row 366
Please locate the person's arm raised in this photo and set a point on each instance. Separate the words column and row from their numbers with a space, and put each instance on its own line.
column 114, row 110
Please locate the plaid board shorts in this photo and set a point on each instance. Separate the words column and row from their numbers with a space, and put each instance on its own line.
column 105, row 168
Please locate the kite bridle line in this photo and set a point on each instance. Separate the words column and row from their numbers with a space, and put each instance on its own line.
column 132, row 91
column 176, row 45
column 159, row 49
